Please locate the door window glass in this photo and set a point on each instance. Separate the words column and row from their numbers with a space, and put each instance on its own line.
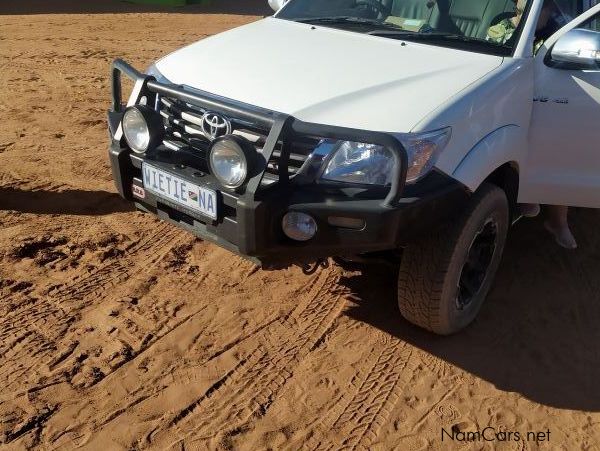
column 592, row 24
column 574, row 8
column 551, row 19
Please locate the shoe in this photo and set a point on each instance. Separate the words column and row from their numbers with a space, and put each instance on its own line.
column 564, row 237
column 530, row 210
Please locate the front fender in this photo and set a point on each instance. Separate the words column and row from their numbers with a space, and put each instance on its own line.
column 504, row 145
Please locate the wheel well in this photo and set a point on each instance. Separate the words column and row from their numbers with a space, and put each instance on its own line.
column 507, row 178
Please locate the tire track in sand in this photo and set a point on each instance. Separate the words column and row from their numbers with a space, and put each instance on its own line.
column 248, row 390
column 368, row 404
column 34, row 328
column 29, row 331
column 118, row 271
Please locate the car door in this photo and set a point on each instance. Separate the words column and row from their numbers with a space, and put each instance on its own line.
column 563, row 162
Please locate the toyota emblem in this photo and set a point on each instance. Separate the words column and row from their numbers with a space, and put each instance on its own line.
column 214, row 126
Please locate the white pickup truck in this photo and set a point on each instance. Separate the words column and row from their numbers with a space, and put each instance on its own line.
column 371, row 129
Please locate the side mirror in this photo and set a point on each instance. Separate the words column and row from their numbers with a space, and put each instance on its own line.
column 578, row 49
column 276, row 5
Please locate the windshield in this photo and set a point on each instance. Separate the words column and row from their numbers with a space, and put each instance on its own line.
column 489, row 26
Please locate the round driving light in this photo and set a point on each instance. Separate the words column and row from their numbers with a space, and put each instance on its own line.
column 231, row 160
column 299, row 226
column 143, row 128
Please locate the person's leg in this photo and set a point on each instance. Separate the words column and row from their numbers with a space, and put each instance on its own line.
column 557, row 224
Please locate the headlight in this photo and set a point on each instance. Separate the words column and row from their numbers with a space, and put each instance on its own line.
column 143, row 128
column 362, row 163
column 231, row 160
column 423, row 150
column 371, row 164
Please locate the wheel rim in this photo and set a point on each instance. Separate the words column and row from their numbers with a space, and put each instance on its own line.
column 477, row 265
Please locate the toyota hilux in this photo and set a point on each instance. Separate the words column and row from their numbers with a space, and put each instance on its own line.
column 366, row 130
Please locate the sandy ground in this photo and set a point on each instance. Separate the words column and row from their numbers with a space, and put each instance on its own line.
column 118, row 331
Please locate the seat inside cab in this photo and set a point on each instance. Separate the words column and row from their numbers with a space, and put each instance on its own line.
column 471, row 18
column 413, row 9
column 474, row 17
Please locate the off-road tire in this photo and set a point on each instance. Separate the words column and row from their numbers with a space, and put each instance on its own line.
column 431, row 268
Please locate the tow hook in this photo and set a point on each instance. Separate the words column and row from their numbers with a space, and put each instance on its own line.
column 311, row 268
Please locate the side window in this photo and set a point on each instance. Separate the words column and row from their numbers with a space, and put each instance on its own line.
column 573, row 8
column 551, row 19
column 570, row 7
column 557, row 13
column 586, row 4
column 591, row 24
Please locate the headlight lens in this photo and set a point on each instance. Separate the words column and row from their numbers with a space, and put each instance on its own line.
column 361, row 163
column 136, row 130
column 229, row 161
column 423, row 150
column 371, row 164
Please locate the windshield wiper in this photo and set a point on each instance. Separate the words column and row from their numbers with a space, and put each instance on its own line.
column 401, row 34
column 342, row 20
column 336, row 19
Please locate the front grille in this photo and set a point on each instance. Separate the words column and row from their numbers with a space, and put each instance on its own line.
column 183, row 125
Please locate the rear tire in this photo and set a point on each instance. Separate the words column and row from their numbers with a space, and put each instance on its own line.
column 445, row 277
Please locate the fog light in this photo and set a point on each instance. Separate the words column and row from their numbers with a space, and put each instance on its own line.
column 299, row 226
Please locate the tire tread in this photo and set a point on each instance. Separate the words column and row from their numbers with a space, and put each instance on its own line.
column 425, row 266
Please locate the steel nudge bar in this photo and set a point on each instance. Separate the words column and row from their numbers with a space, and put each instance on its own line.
column 121, row 67
column 282, row 128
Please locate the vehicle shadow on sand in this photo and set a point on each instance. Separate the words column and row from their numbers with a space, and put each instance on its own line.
column 246, row 7
column 538, row 334
column 68, row 202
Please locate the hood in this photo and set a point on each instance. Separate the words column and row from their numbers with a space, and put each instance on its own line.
column 325, row 75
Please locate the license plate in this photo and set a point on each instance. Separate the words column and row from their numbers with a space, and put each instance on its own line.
column 179, row 191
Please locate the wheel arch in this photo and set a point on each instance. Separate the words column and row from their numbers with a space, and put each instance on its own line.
column 506, row 177
column 504, row 145
column 495, row 158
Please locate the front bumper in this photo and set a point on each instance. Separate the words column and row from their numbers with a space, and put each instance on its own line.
column 249, row 223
